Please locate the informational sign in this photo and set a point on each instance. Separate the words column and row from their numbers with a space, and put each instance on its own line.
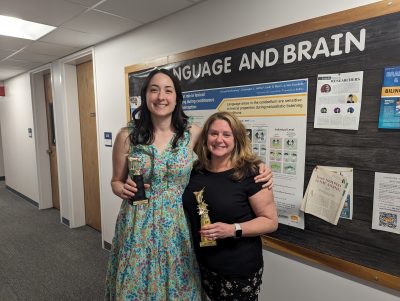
column 275, row 116
column 108, row 139
column 389, row 114
column 386, row 214
column 338, row 102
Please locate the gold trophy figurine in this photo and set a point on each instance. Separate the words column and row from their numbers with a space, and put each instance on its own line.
column 204, row 218
column 134, row 172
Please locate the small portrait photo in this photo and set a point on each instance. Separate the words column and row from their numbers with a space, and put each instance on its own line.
column 336, row 110
column 135, row 101
column 350, row 110
column 326, row 88
column 259, row 135
column 351, row 98
column 249, row 134
column 324, row 110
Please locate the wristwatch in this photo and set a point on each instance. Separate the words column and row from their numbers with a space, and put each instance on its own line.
column 238, row 231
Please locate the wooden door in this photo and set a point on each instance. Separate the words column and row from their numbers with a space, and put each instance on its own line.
column 52, row 151
column 87, row 113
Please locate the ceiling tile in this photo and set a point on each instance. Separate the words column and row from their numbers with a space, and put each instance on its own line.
column 9, row 43
column 72, row 38
column 19, row 64
column 51, row 49
column 33, row 57
column 143, row 10
column 87, row 3
column 99, row 23
column 5, row 53
column 10, row 72
column 50, row 12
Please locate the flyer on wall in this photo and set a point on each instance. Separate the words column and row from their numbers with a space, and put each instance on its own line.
column 325, row 195
column 275, row 116
column 347, row 172
column 338, row 100
column 386, row 210
column 389, row 114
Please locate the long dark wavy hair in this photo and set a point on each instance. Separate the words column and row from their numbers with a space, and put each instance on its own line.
column 144, row 129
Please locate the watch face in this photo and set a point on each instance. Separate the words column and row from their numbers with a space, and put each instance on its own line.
column 238, row 232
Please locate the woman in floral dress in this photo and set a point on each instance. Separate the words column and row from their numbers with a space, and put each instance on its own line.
column 152, row 255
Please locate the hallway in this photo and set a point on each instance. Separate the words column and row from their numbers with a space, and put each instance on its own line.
column 42, row 259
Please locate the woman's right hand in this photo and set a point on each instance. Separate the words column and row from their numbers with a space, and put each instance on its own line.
column 128, row 189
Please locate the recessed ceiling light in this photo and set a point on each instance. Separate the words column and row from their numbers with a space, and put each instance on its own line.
column 18, row 28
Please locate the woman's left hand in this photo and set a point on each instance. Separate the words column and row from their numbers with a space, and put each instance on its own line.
column 264, row 176
column 218, row 231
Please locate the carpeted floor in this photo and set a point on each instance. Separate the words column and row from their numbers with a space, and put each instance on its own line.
column 42, row 259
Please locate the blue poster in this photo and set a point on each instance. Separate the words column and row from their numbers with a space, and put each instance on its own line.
column 389, row 114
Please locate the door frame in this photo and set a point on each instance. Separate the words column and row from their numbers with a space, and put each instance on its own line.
column 41, row 140
column 72, row 196
column 67, row 132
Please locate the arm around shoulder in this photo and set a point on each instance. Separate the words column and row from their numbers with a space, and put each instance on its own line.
column 195, row 132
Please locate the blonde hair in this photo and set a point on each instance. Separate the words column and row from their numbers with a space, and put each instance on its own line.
column 243, row 161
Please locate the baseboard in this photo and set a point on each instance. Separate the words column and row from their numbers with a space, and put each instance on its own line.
column 107, row 245
column 23, row 196
column 65, row 221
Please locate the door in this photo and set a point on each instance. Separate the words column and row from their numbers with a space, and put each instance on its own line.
column 52, row 151
column 90, row 166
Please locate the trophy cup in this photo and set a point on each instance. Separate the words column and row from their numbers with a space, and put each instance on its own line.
column 204, row 218
column 134, row 173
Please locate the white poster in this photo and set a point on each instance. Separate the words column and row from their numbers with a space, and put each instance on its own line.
column 275, row 116
column 386, row 212
column 338, row 100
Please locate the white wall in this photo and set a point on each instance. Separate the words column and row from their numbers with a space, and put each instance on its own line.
column 2, row 173
column 18, row 149
column 288, row 278
column 207, row 23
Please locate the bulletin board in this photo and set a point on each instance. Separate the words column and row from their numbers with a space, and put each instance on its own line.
column 351, row 246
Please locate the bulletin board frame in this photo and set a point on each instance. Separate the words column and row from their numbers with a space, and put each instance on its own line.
column 277, row 242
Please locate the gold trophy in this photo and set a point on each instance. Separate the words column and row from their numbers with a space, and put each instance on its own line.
column 204, row 218
column 134, row 172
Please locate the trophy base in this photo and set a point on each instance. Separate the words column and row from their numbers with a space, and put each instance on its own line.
column 209, row 243
column 138, row 202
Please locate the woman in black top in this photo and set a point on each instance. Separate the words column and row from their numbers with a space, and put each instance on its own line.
column 239, row 210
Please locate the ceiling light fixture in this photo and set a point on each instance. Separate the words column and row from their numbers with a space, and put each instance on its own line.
column 18, row 28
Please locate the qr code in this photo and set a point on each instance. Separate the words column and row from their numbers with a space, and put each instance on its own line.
column 388, row 220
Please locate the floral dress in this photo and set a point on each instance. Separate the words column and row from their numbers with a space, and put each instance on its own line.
column 152, row 255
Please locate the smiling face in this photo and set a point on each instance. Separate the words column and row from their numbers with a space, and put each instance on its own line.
column 220, row 140
column 161, row 96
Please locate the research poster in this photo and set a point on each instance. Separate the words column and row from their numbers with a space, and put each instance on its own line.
column 338, row 100
column 389, row 114
column 275, row 116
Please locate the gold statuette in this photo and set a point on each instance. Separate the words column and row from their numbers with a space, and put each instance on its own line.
column 204, row 218
column 134, row 172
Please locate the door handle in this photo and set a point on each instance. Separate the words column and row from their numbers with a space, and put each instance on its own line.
column 49, row 151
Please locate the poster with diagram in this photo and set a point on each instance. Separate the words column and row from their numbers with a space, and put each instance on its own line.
column 275, row 116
